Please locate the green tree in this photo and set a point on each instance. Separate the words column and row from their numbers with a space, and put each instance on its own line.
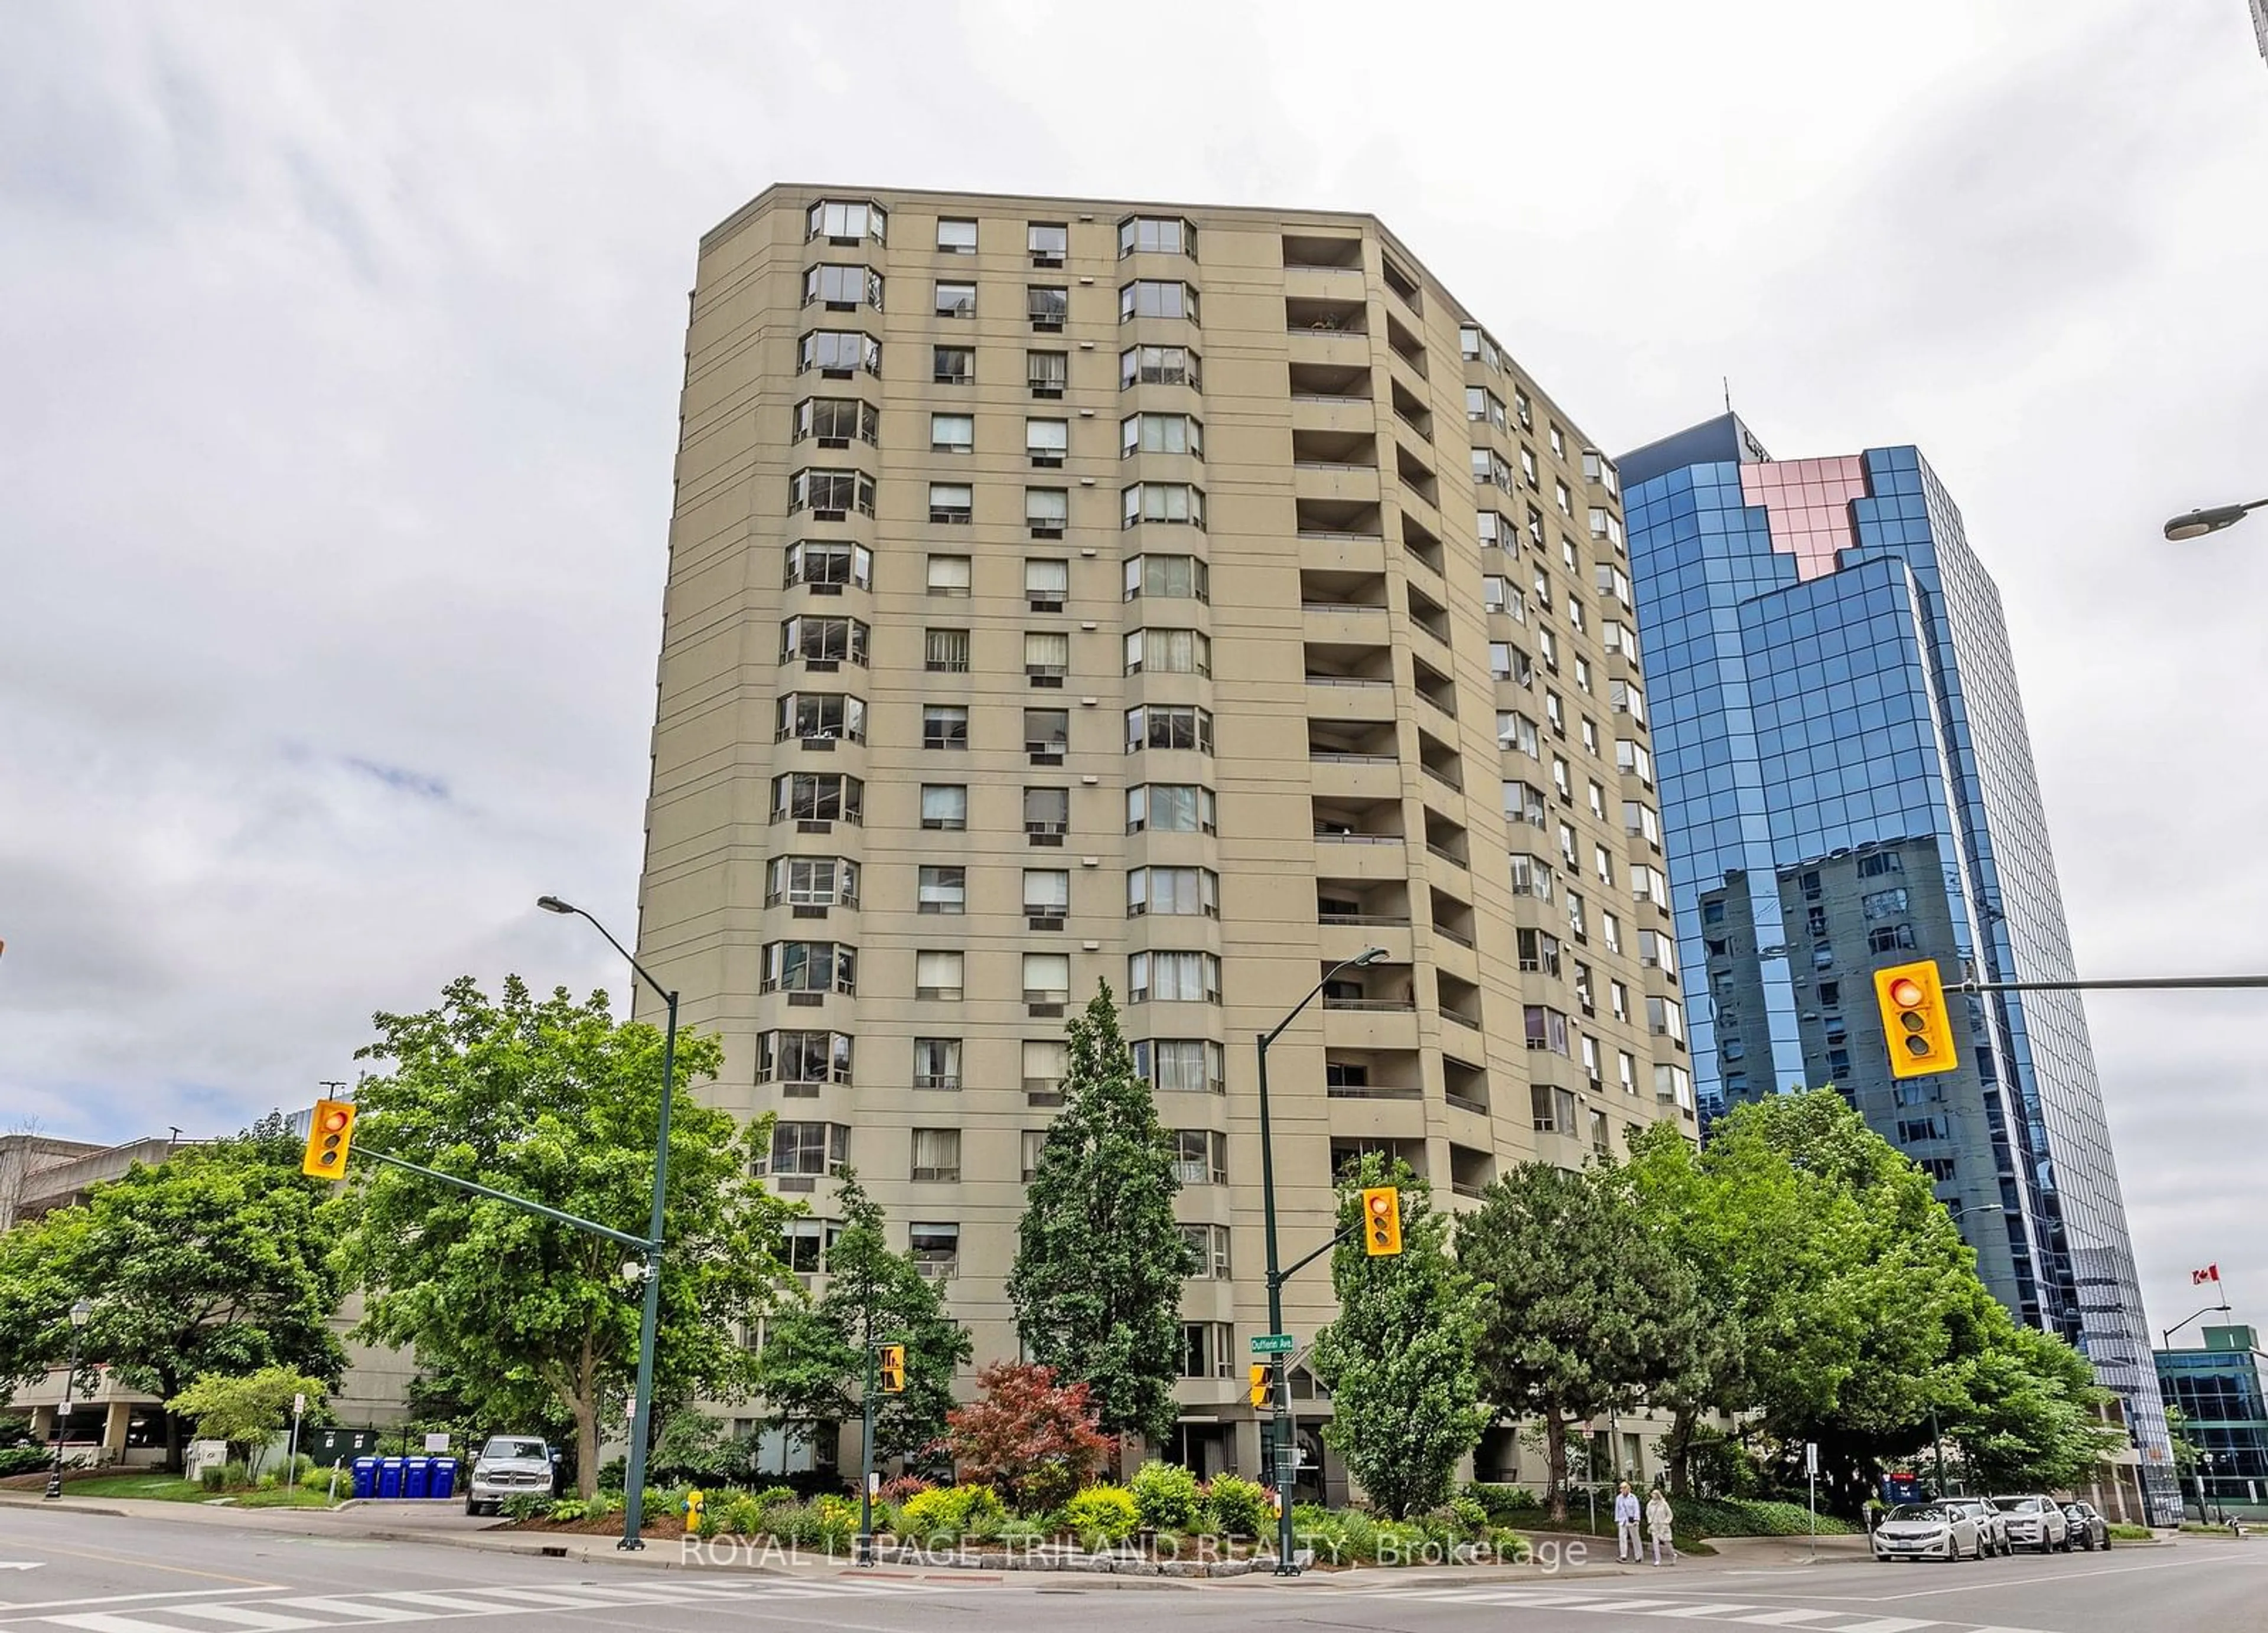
column 551, row 1100
column 1100, row 1260
column 216, row 1262
column 1584, row 1310
column 2026, row 1421
column 814, row 1364
column 1398, row 1361
column 247, row 1411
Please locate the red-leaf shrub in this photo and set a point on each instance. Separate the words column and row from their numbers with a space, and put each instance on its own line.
column 1031, row 1439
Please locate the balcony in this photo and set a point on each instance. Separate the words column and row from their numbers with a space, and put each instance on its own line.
column 1427, row 613
column 1356, row 903
column 1315, row 253
column 1358, row 819
column 1373, row 1075
column 1417, row 475
column 1452, row 919
column 1335, row 313
column 1447, row 840
column 1421, row 544
column 1470, row 1170
column 1349, row 665
column 1406, row 346
column 1440, row 762
column 1464, row 1085
column 1434, row 687
column 1351, row 742
column 1345, row 1153
column 1325, row 518
column 1330, row 382
column 1412, row 412
column 1459, row 1000
column 1329, row 590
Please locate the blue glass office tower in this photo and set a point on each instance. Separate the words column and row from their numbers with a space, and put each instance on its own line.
column 1846, row 783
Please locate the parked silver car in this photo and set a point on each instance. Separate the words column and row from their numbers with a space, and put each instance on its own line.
column 509, row 1466
column 2088, row 1526
column 1927, row 1531
column 2035, row 1522
column 1991, row 1525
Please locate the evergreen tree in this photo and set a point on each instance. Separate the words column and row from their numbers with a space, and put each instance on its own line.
column 1099, row 1261
column 814, row 1364
column 1398, row 1361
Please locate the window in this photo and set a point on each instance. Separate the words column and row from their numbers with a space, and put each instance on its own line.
column 1564, row 499
column 1547, row 1028
column 1047, row 977
column 1045, row 1062
column 1161, row 433
column 956, row 236
column 944, row 651
column 1496, row 593
column 1047, row 509
column 1507, row 662
column 1601, row 1146
column 1185, row 1065
column 1047, row 812
column 1151, row 298
column 1665, row 1018
column 1035, row 1141
column 943, row 889
column 951, row 504
column 1208, row 1245
column 1161, row 501
column 937, row 976
column 810, row 966
column 804, row 1244
column 1606, row 525
column 1168, row 651
column 1527, row 470
column 1489, row 466
column 1618, row 1000
column 1047, row 372
column 1657, row 949
column 1597, row 469
column 1177, row 726
column 811, row 882
column 935, row 1249
column 810, row 562
column 1157, row 365
column 1539, row 952
column 1169, row 808
column 1578, row 916
column 841, row 219
column 834, row 420
column 1175, row 576
column 1603, row 864
column 1474, row 344
column 937, row 1062
column 1884, row 903
column 1483, row 406
column 1558, row 442
column 952, row 433
column 1555, row 710
column 949, row 575
column 1046, row 441
column 803, row 1056
column 841, row 289
column 1879, row 862
column 1889, row 939
column 1208, row 1349
column 830, row 493
column 1047, row 656
column 937, row 1156
column 1911, row 1129
column 1674, row 1083
column 1200, row 1157
column 1047, row 893
column 1530, row 878
column 817, row 796
column 822, row 640
column 1047, row 306
column 1046, row 733
column 1524, row 407
column 1523, row 802
column 952, row 366
column 1049, row 241
column 1610, row 933
column 821, row 718
column 1047, row 583
column 1173, row 977
column 945, row 806
column 1632, row 759
column 837, row 353
column 1156, row 235
column 1173, row 890
column 807, row 1149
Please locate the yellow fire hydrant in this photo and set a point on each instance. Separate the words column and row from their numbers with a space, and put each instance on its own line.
column 693, row 1510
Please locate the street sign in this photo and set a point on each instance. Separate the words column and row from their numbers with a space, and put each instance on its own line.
column 1273, row 1343
column 1811, row 1457
column 299, row 1405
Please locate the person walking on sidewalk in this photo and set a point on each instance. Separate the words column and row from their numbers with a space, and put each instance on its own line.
column 1660, row 1521
column 1627, row 1545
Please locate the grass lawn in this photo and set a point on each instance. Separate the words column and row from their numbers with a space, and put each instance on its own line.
column 171, row 1488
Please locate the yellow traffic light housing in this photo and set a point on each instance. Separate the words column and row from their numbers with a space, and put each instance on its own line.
column 1264, row 1382
column 893, row 1369
column 1381, row 1221
column 330, row 1134
column 1915, row 1020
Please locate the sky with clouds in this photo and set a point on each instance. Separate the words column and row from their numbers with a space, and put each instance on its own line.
column 339, row 357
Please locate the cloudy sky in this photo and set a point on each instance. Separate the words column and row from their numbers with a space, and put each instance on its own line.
column 340, row 347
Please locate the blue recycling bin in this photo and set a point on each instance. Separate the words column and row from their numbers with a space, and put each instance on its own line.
column 417, row 1475
column 365, row 1476
column 389, row 1476
column 444, row 1476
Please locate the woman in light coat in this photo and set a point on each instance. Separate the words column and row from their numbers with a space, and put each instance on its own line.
column 1659, row 1522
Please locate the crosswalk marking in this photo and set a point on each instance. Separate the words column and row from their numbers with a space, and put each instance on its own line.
column 248, row 1616
column 350, row 1609
column 1700, row 1610
column 1788, row 1618
column 1885, row 1624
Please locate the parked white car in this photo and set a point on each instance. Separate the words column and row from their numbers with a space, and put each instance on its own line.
column 508, row 1466
column 1927, row 1531
column 1991, row 1524
column 2036, row 1522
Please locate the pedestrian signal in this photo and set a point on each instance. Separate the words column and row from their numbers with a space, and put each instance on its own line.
column 1914, row 1018
column 1264, row 1382
column 1381, row 1221
column 330, row 1133
column 893, row 1369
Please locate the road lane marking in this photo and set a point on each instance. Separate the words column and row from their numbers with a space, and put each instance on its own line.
column 1885, row 1624
column 1790, row 1618
column 1986, row 1585
column 149, row 1565
column 8, row 1611
column 350, row 1609
column 1705, row 1610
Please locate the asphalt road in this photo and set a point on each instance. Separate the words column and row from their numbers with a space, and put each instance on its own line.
column 149, row 1574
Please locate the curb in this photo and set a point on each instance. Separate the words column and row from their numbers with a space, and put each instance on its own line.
column 62, row 1505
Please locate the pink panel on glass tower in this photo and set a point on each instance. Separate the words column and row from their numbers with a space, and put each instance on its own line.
column 1807, row 503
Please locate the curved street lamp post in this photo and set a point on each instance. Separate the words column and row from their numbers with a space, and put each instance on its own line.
column 81, row 1313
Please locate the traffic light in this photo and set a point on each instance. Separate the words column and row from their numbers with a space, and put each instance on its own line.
column 330, row 1133
column 1914, row 1018
column 1264, row 1382
column 1381, row 1221
column 893, row 1369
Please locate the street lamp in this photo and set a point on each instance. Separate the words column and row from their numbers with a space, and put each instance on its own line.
column 81, row 1313
column 650, row 1316
column 1280, row 1448
column 2197, row 524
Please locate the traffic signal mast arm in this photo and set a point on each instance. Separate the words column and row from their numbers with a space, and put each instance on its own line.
column 2131, row 983
column 627, row 1241
column 1296, row 1265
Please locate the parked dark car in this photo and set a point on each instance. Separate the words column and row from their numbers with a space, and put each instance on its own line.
column 2089, row 1529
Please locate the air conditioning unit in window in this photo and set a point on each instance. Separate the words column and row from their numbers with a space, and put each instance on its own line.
column 807, row 825
column 822, row 666
column 1045, row 603
column 1041, row 531
column 809, row 913
column 1040, row 259
column 1042, row 755
column 835, row 374
column 834, row 442
column 800, row 1090
column 828, row 516
column 1047, row 391
column 1045, row 921
column 805, row 1000
column 1048, row 461
column 1044, row 1012
column 788, row 1182
column 1047, row 326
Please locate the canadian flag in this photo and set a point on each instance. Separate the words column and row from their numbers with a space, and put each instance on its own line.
column 2211, row 1273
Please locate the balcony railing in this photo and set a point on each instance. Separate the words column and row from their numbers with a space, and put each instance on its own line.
column 1372, row 1006
column 1384, row 921
column 1371, row 1091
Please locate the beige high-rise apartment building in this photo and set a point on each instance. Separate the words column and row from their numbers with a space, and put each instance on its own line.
column 1065, row 592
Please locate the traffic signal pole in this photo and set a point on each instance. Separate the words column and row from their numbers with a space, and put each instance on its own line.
column 2136, row 983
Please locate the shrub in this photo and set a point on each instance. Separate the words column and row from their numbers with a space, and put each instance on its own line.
column 212, row 1476
column 942, row 1513
column 742, row 1514
column 796, row 1523
column 1101, row 1516
column 1033, row 1439
column 1749, row 1516
column 527, row 1505
column 1240, row 1507
column 837, row 1523
column 235, row 1476
column 320, row 1480
column 1164, row 1495
column 568, row 1509
column 1470, row 1517
column 1319, row 1529
column 901, row 1487
column 1500, row 1503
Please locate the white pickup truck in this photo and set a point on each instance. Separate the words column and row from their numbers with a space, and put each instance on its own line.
column 508, row 1466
